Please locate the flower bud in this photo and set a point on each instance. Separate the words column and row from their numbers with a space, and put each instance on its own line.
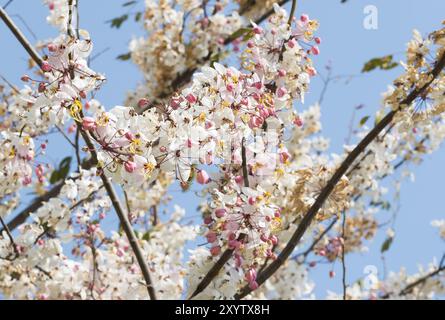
column 46, row 67
column 202, row 177
column 215, row 250
column 88, row 123
column 130, row 166
column 219, row 213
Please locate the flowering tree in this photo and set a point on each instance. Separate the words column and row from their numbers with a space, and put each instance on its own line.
column 220, row 106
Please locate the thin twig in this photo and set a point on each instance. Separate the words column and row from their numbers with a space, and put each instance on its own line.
column 7, row 4
column 244, row 163
column 343, row 261
column 20, row 37
column 292, row 12
column 11, row 238
column 410, row 287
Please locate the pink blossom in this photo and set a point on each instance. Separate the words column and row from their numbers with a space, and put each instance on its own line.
column 130, row 166
column 88, row 123
column 202, row 177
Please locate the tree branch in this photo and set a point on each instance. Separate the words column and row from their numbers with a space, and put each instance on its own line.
column 409, row 288
column 108, row 185
column 20, row 37
column 323, row 196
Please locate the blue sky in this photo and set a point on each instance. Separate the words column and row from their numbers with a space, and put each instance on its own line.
column 347, row 44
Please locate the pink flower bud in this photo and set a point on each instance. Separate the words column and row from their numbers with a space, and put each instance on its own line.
column 298, row 122
column 42, row 87
column 250, row 275
column 281, row 92
column 229, row 87
column 234, row 244
column 26, row 180
column 214, row 251
column 239, row 179
column 52, row 47
column 208, row 220
column 304, row 18
column 129, row 136
column 202, row 177
column 273, row 239
column 331, row 274
column 143, row 103
column 72, row 128
column 175, row 103
column 251, row 201
column 311, row 71
column 43, row 146
column 291, row 43
column 257, row 30
column 211, row 237
column 25, row 78
column 315, row 50
column 46, row 67
column 264, row 238
column 264, row 113
column 191, row 98
column 257, row 85
column 88, row 123
column 130, row 166
column 284, row 157
column 282, row 73
column 250, row 44
column 317, row 40
column 83, row 94
column 255, row 122
column 221, row 212
column 312, row 264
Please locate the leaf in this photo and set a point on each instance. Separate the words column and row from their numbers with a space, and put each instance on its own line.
column 62, row 172
column 124, row 57
column 239, row 33
column 129, row 3
column 117, row 22
column 387, row 244
column 364, row 120
column 383, row 63
column 138, row 16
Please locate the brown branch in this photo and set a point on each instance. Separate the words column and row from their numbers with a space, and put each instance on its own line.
column 34, row 206
column 317, row 240
column 108, row 185
column 244, row 163
column 227, row 254
column 410, row 287
column 123, row 217
column 20, row 37
column 343, row 260
column 11, row 238
column 292, row 12
column 323, row 196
